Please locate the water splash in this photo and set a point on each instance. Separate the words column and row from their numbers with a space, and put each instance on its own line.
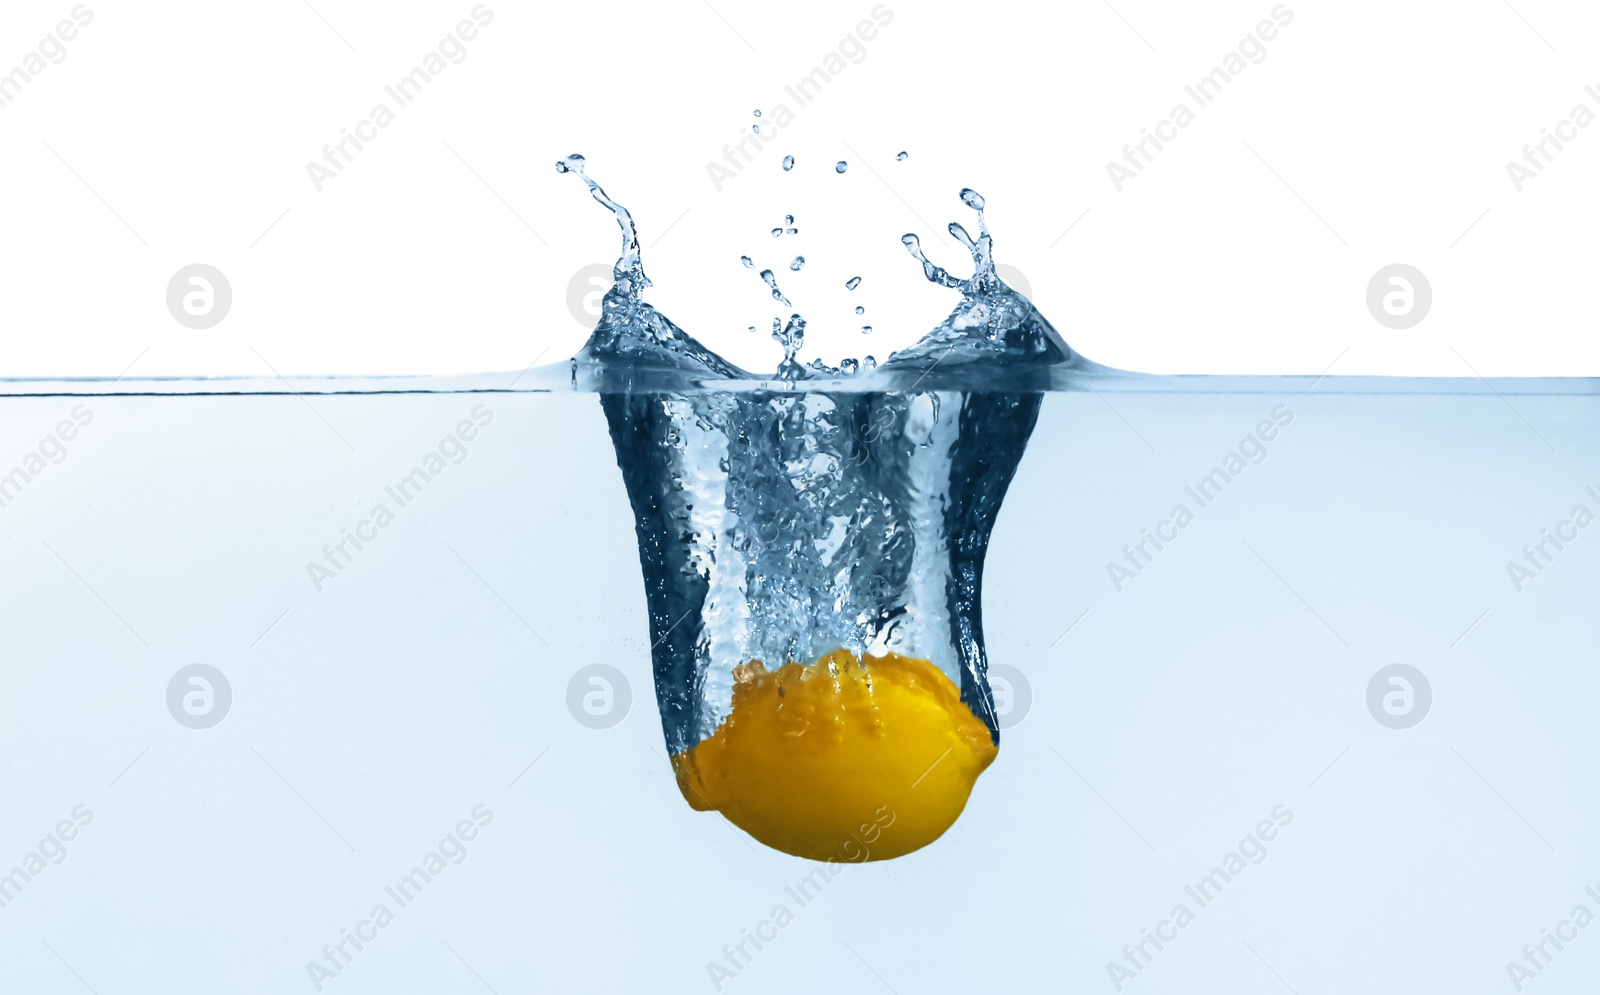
column 789, row 516
column 791, row 337
column 629, row 269
column 994, row 337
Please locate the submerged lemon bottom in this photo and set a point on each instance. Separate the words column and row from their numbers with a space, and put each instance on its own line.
column 842, row 759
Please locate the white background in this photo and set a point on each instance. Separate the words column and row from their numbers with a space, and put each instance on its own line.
column 1372, row 133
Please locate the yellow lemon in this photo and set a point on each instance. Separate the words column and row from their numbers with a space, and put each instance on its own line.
column 845, row 758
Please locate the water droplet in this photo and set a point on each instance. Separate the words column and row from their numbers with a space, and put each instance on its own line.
column 797, row 263
column 791, row 231
column 840, row 166
column 757, row 112
column 788, row 219
column 752, row 328
column 776, row 232
column 866, row 329
column 777, row 294
column 972, row 198
column 756, row 128
column 852, row 283
column 868, row 363
column 848, row 366
column 900, row 158
column 788, row 163
column 747, row 263
column 860, row 310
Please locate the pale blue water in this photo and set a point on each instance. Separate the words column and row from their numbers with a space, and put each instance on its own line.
column 434, row 668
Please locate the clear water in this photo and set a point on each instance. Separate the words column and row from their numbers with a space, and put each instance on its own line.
column 1151, row 723
column 428, row 675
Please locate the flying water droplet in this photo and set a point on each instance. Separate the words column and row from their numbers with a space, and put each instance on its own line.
column 747, row 263
column 776, row 232
column 860, row 309
column 788, row 219
column 757, row 112
column 900, row 158
column 866, row 329
column 756, row 128
column 788, row 163
column 840, row 166
column 849, row 366
column 791, row 231
column 777, row 294
column 797, row 263
column 852, row 283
